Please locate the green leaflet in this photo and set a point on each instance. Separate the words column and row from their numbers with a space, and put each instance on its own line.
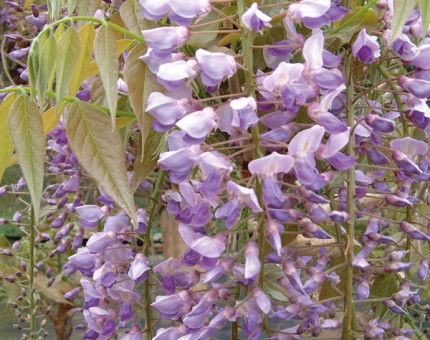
column 71, row 6
column 145, row 163
column 402, row 9
column 99, row 150
column 41, row 65
column 86, row 35
column 425, row 14
column 141, row 83
column 54, row 7
column 26, row 131
column 6, row 146
column 105, row 53
column 131, row 15
column 69, row 47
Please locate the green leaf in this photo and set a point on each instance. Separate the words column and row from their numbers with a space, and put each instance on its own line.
column 47, row 64
column 144, row 165
column 99, row 150
column 141, row 83
column 6, row 146
column 71, row 6
column 86, row 8
column 402, row 9
column 105, row 53
column 131, row 14
column 425, row 14
column 86, row 37
column 41, row 65
column 54, row 7
column 26, row 131
column 68, row 54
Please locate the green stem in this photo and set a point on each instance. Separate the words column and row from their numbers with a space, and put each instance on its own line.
column 247, row 54
column 96, row 20
column 153, row 207
column 357, row 15
column 68, row 100
column 348, row 322
column 31, row 276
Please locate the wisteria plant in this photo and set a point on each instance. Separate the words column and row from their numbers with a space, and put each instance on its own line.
column 287, row 141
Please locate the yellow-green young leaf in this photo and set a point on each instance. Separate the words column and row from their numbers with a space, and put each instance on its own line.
column 131, row 14
column 145, row 163
column 71, row 6
column 99, row 150
column 47, row 62
column 86, row 36
column 26, row 131
column 6, row 146
column 54, row 7
column 425, row 14
column 86, row 8
column 69, row 47
column 401, row 11
column 105, row 53
column 229, row 38
column 141, row 83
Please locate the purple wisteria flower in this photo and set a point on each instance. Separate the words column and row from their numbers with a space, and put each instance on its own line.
column 164, row 40
column 215, row 67
column 366, row 47
column 254, row 19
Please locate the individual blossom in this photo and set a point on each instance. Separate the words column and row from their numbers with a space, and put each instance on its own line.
column 197, row 125
column 267, row 168
column 184, row 11
column 252, row 262
column 176, row 74
column 366, row 47
column 314, row 71
column 254, row 19
column 166, row 111
column 165, row 40
column 215, row 67
column 244, row 113
column 210, row 247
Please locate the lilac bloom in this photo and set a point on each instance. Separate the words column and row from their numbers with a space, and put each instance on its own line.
column 252, row 262
column 91, row 215
column 184, row 11
column 166, row 111
column 423, row 269
column 302, row 147
column 293, row 277
column 363, row 290
column 391, row 305
column 420, row 88
column 402, row 45
column 273, row 229
column 165, row 40
column 98, row 242
column 210, row 247
column 243, row 113
column 422, row 59
column 198, row 124
column 134, row 334
column 366, row 47
column 271, row 165
column 154, row 63
column 179, row 162
column 313, row 55
column 379, row 123
column 311, row 230
column 138, row 268
column 215, row 67
column 254, row 19
column 262, row 300
column 174, row 75
column 319, row 112
column 155, row 9
column 308, row 9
